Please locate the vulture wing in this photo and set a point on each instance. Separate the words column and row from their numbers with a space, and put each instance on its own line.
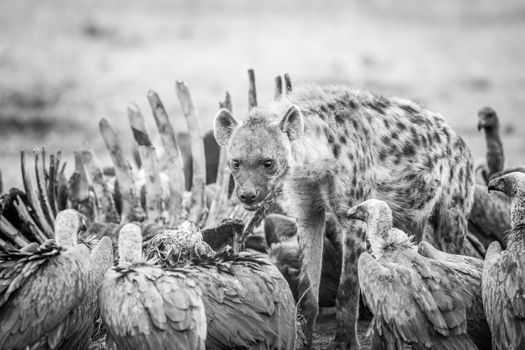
column 248, row 304
column 75, row 331
column 503, row 288
column 469, row 270
column 148, row 308
column 47, row 285
column 408, row 310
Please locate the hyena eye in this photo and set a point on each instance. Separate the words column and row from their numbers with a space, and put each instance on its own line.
column 268, row 163
column 236, row 164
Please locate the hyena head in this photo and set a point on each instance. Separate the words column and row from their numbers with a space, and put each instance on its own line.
column 258, row 150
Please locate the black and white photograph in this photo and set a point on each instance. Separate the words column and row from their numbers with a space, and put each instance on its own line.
column 262, row 175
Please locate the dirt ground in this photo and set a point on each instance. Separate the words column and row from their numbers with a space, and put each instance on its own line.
column 64, row 65
column 324, row 332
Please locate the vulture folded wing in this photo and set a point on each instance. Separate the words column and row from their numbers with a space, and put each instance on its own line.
column 146, row 308
column 470, row 271
column 269, row 294
column 513, row 279
column 47, row 294
column 75, row 331
column 451, row 295
column 231, row 321
column 16, row 267
column 248, row 304
column 386, row 290
column 407, row 307
column 503, row 294
column 184, row 308
column 493, row 300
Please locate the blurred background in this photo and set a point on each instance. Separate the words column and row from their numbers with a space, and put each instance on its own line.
column 64, row 65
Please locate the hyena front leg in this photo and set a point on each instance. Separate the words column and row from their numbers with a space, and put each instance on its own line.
column 311, row 224
column 347, row 300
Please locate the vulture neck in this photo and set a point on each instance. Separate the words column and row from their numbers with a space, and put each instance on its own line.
column 130, row 244
column 101, row 258
column 129, row 254
column 66, row 238
column 378, row 232
column 495, row 157
column 517, row 214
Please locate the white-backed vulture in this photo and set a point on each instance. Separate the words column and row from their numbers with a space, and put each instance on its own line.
column 48, row 282
column 146, row 307
column 414, row 300
column 503, row 281
column 489, row 123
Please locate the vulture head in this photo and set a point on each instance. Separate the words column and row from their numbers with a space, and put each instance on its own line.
column 378, row 217
column 68, row 225
column 130, row 244
column 513, row 185
column 487, row 119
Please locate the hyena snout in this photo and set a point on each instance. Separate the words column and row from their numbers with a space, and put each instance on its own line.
column 248, row 196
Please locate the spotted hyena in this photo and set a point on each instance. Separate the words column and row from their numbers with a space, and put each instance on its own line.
column 332, row 148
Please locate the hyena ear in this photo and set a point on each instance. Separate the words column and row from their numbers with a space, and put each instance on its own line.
column 292, row 123
column 223, row 126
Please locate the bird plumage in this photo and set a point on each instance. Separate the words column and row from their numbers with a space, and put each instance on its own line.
column 470, row 269
column 415, row 300
column 489, row 122
column 503, row 281
column 146, row 307
column 57, row 283
column 248, row 302
column 47, row 284
column 75, row 332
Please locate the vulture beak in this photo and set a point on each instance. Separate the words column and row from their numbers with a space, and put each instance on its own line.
column 480, row 126
column 497, row 184
column 354, row 213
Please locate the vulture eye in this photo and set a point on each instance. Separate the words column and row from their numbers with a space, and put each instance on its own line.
column 268, row 163
column 236, row 164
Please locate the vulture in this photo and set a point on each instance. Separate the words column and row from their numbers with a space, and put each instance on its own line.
column 75, row 331
column 248, row 302
column 415, row 300
column 503, row 280
column 56, row 285
column 470, row 269
column 489, row 123
column 146, row 307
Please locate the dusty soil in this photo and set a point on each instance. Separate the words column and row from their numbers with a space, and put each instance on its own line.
column 65, row 65
column 324, row 332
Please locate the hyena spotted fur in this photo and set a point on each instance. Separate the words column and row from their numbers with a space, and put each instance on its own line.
column 333, row 148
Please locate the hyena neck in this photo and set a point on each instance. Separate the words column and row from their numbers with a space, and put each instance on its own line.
column 312, row 153
column 311, row 156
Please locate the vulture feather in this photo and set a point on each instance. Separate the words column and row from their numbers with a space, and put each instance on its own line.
column 414, row 300
column 146, row 307
column 503, row 281
column 48, row 282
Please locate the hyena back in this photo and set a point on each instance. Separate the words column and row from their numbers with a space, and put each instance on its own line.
column 333, row 148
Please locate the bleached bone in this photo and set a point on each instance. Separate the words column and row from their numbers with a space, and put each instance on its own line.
column 130, row 206
column 154, row 199
column 172, row 161
column 106, row 210
column 252, row 92
column 198, row 210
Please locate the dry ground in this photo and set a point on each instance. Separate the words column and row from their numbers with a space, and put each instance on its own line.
column 66, row 64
